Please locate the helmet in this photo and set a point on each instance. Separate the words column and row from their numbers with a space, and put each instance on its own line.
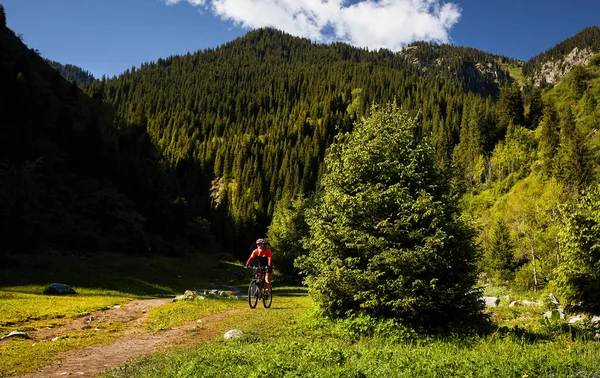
column 260, row 241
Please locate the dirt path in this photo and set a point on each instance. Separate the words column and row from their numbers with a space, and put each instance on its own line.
column 135, row 341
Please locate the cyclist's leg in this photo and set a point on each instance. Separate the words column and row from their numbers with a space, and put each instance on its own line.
column 260, row 284
column 268, row 281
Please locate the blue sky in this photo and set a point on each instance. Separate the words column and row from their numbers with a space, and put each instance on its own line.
column 107, row 37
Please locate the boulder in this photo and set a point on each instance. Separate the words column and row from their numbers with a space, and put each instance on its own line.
column 491, row 301
column 59, row 289
column 577, row 319
column 552, row 298
column 188, row 295
column 561, row 313
column 595, row 319
column 233, row 334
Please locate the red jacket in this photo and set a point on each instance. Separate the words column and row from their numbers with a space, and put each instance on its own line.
column 264, row 255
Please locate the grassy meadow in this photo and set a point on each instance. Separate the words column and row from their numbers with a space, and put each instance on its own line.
column 101, row 281
column 291, row 339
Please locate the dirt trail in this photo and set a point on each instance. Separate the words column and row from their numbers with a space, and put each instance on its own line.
column 135, row 341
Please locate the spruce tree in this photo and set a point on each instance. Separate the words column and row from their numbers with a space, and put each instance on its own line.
column 385, row 237
column 549, row 139
column 501, row 254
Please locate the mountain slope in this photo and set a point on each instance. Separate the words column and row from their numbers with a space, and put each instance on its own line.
column 259, row 111
column 73, row 73
column 475, row 70
column 69, row 177
column 550, row 66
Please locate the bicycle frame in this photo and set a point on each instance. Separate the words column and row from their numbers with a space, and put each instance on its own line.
column 256, row 289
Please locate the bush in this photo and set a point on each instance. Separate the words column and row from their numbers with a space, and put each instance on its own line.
column 578, row 275
column 385, row 237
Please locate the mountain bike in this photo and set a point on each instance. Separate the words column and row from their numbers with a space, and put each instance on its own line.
column 257, row 288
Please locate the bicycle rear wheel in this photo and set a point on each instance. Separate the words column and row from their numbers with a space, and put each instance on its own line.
column 252, row 294
column 267, row 297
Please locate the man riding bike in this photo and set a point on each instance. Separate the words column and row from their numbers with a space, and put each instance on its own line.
column 264, row 257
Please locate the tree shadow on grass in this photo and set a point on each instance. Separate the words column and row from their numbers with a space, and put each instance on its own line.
column 137, row 276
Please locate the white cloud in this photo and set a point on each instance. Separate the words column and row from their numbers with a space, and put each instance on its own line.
column 366, row 23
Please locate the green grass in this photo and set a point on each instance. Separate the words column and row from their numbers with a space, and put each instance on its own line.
column 20, row 308
column 23, row 356
column 514, row 70
column 176, row 313
column 100, row 280
column 291, row 340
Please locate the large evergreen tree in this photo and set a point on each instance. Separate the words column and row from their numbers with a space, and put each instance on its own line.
column 385, row 238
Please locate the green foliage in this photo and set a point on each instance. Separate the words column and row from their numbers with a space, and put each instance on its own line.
column 286, row 232
column 510, row 107
column 536, row 108
column 574, row 163
column 73, row 73
column 385, row 239
column 512, row 159
column 501, row 254
column 549, row 139
column 579, row 273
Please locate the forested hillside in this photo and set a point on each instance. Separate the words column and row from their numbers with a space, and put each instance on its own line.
column 211, row 148
column 259, row 112
column 73, row 73
column 70, row 178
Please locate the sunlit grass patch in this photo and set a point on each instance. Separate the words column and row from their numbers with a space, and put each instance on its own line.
column 19, row 307
column 177, row 313
column 22, row 356
column 315, row 354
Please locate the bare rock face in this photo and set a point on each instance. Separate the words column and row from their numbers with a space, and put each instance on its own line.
column 553, row 70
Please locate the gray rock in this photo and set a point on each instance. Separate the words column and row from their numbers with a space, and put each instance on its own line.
column 577, row 319
column 595, row 319
column 188, row 295
column 552, row 298
column 14, row 334
column 561, row 313
column 233, row 334
column 59, row 289
column 514, row 303
column 491, row 301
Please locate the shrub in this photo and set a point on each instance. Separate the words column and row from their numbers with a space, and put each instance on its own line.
column 578, row 275
column 385, row 236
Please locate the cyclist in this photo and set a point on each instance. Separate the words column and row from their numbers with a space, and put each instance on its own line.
column 264, row 257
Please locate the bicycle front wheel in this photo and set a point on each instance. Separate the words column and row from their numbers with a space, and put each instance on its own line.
column 267, row 297
column 252, row 294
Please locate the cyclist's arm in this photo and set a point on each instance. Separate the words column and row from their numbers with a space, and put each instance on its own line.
column 252, row 257
column 270, row 258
